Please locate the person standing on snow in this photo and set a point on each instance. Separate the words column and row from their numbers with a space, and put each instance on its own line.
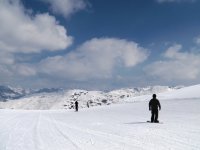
column 154, row 104
column 76, row 105
column 88, row 105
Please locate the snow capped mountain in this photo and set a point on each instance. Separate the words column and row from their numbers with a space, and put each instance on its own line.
column 46, row 90
column 8, row 92
column 191, row 92
column 64, row 99
column 12, row 93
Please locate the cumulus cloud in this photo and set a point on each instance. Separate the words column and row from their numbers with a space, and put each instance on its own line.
column 23, row 32
column 6, row 58
column 25, row 70
column 26, row 33
column 177, row 66
column 96, row 58
column 163, row 1
column 66, row 7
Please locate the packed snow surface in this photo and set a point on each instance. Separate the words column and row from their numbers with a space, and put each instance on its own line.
column 113, row 127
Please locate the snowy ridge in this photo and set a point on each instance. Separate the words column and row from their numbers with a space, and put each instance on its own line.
column 64, row 99
column 191, row 92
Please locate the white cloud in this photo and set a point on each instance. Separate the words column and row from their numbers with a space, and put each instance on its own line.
column 25, row 33
column 6, row 58
column 163, row 1
column 5, row 72
column 24, row 70
column 177, row 66
column 96, row 58
column 66, row 7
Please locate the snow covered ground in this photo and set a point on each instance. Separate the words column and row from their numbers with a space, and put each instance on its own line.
column 113, row 127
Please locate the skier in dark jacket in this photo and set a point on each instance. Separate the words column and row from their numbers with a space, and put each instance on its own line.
column 76, row 105
column 154, row 104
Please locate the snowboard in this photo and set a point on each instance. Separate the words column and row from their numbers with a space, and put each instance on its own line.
column 154, row 122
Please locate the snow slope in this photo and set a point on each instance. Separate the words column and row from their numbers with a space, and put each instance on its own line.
column 113, row 127
column 191, row 92
column 184, row 93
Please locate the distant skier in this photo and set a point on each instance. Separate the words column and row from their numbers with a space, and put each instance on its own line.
column 76, row 105
column 88, row 105
column 154, row 104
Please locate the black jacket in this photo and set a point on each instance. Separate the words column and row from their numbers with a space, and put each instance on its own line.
column 154, row 104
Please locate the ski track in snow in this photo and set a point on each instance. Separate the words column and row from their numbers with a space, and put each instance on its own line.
column 114, row 139
column 64, row 135
column 117, row 127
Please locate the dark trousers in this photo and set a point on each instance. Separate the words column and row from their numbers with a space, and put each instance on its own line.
column 76, row 107
column 154, row 115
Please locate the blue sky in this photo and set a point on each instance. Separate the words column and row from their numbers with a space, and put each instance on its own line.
column 99, row 44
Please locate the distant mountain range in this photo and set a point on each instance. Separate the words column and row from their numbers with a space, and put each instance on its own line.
column 12, row 93
column 56, row 98
column 7, row 92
